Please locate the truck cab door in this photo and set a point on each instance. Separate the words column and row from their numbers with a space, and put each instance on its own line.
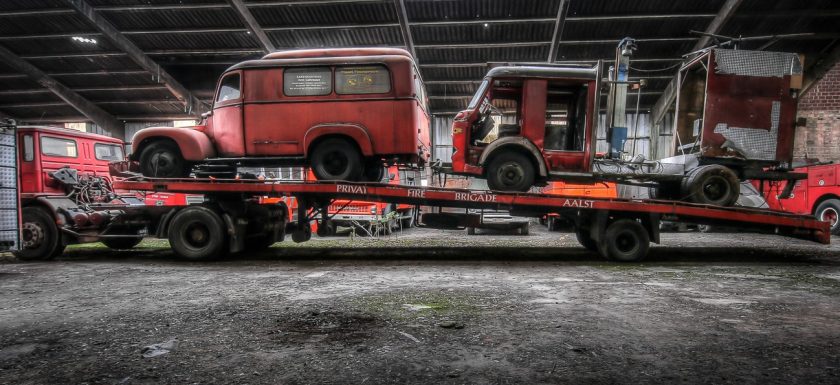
column 564, row 127
column 227, row 129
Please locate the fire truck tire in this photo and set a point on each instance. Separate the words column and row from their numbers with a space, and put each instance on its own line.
column 625, row 240
column 197, row 233
column 585, row 240
column 121, row 243
column 510, row 171
column 374, row 171
column 713, row 185
column 829, row 210
column 39, row 235
column 337, row 159
column 163, row 159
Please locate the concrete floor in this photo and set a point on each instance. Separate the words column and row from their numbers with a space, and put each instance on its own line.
column 428, row 306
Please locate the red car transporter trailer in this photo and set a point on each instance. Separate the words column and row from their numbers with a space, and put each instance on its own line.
column 618, row 229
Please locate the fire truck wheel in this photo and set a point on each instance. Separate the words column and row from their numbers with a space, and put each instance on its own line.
column 121, row 243
column 163, row 159
column 197, row 233
column 374, row 171
column 712, row 184
column 337, row 159
column 510, row 171
column 625, row 240
column 585, row 240
column 39, row 235
column 829, row 210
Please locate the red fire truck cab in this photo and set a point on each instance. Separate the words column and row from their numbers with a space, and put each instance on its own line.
column 344, row 112
column 818, row 195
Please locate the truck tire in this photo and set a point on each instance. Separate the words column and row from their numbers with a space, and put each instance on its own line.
column 510, row 171
column 337, row 159
column 163, row 159
column 585, row 240
column 40, row 237
column 625, row 240
column 197, row 233
column 121, row 243
column 829, row 210
column 712, row 185
column 374, row 171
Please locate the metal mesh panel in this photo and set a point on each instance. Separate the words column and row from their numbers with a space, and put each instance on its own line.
column 8, row 192
column 753, row 143
column 757, row 63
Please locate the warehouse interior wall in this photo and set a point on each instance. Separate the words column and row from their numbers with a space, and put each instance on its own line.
column 819, row 107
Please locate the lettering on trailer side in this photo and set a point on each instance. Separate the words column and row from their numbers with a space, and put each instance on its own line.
column 416, row 193
column 343, row 188
column 585, row 204
column 471, row 197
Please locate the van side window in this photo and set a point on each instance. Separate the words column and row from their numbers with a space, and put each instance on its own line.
column 310, row 81
column 229, row 89
column 28, row 148
column 362, row 80
column 104, row 151
column 58, row 147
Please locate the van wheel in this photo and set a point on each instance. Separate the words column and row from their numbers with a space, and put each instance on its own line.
column 122, row 243
column 39, row 235
column 829, row 211
column 337, row 159
column 712, row 185
column 510, row 171
column 374, row 171
column 197, row 233
column 163, row 159
column 625, row 240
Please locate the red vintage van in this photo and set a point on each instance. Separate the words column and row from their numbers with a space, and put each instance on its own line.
column 345, row 112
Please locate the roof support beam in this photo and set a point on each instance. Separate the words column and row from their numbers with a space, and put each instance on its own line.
column 252, row 24
column 191, row 104
column 660, row 108
column 559, row 23
column 85, row 107
column 405, row 29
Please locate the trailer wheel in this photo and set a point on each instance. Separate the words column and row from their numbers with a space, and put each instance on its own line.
column 712, row 184
column 585, row 240
column 374, row 171
column 121, row 243
column 197, row 233
column 625, row 240
column 337, row 159
column 829, row 211
column 39, row 235
column 163, row 159
column 510, row 171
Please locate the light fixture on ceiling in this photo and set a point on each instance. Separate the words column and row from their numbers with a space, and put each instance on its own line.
column 84, row 40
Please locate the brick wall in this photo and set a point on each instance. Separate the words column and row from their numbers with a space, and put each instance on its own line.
column 820, row 106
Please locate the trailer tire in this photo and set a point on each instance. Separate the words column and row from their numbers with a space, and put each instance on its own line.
column 829, row 210
column 626, row 240
column 163, row 159
column 40, row 237
column 337, row 159
column 510, row 171
column 585, row 240
column 713, row 185
column 121, row 243
column 197, row 233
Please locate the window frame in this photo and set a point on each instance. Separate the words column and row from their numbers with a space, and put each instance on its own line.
column 75, row 146
column 381, row 66
column 96, row 155
column 331, row 78
column 28, row 153
column 216, row 100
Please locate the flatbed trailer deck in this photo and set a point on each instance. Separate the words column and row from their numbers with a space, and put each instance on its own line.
column 619, row 229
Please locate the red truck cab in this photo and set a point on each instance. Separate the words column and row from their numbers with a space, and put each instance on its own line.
column 343, row 112
column 817, row 195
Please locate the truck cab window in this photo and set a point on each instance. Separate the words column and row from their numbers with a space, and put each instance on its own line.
column 58, row 147
column 28, row 148
column 110, row 152
column 229, row 89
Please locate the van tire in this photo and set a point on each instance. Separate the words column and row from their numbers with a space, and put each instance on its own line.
column 337, row 159
column 41, row 233
column 374, row 171
column 163, row 159
column 510, row 171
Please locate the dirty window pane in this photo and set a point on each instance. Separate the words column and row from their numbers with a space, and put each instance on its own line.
column 28, row 148
column 108, row 151
column 229, row 90
column 307, row 81
column 362, row 80
column 58, row 147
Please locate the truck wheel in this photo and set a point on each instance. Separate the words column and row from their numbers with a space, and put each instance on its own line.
column 712, row 185
column 163, row 159
column 374, row 171
column 625, row 240
column 585, row 240
column 829, row 211
column 510, row 171
column 39, row 235
column 197, row 233
column 337, row 159
column 121, row 243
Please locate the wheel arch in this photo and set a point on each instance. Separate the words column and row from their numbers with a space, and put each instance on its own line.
column 354, row 133
column 822, row 199
column 518, row 144
column 193, row 144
